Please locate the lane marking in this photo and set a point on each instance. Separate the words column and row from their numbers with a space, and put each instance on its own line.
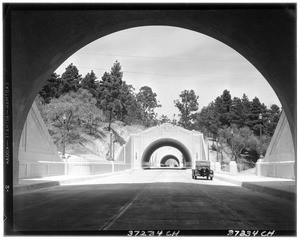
column 111, row 221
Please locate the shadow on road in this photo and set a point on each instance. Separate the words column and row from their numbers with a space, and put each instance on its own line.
column 202, row 178
column 165, row 168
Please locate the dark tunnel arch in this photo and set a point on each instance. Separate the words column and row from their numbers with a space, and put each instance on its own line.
column 167, row 157
column 163, row 142
column 250, row 32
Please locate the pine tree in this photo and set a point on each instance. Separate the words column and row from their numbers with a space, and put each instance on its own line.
column 89, row 83
column 271, row 122
column 70, row 79
column 51, row 88
column 226, row 103
column 246, row 110
column 114, row 94
column 127, row 98
column 254, row 121
column 187, row 104
column 207, row 121
column 147, row 98
column 236, row 112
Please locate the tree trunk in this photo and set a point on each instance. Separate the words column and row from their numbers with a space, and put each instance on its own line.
column 110, row 117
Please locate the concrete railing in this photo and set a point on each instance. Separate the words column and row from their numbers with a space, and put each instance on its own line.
column 50, row 168
column 29, row 169
column 283, row 169
column 93, row 168
column 87, row 168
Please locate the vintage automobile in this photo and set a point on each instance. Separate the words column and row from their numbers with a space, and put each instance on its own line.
column 202, row 168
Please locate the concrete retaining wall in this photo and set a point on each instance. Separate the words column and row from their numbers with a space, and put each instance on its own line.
column 280, row 156
column 38, row 157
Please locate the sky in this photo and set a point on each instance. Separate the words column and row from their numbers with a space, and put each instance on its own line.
column 170, row 60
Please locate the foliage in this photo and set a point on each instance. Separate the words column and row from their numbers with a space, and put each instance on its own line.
column 271, row 119
column 114, row 96
column 256, row 109
column 112, row 93
column 70, row 80
column 223, row 106
column 89, row 83
column 236, row 112
column 148, row 102
column 80, row 111
column 164, row 119
column 241, row 116
column 187, row 104
column 51, row 88
column 127, row 100
column 246, row 103
column 134, row 112
column 86, row 102
column 241, row 113
column 242, row 145
column 207, row 120
column 239, row 140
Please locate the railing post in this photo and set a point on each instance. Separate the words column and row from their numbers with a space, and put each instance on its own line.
column 112, row 166
column 66, row 167
column 233, row 167
column 258, row 167
column 217, row 167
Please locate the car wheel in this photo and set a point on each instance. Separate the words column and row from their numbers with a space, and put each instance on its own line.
column 211, row 178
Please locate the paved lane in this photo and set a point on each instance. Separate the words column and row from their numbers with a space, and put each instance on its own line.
column 151, row 199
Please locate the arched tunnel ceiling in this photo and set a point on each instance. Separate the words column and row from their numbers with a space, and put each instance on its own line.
column 36, row 42
column 166, row 142
column 167, row 157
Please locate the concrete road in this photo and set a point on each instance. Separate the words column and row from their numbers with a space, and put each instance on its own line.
column 151, row 200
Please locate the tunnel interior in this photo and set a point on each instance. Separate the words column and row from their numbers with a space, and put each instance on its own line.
column 164, row 160
column 187, row 159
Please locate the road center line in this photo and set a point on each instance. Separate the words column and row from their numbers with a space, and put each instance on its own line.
column 111, row 221
column 108, row 224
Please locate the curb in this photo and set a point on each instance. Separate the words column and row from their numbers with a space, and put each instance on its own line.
column 19, row 189
column 229, row 180
column 86, row 178
column 262, row 189
column 274, row 192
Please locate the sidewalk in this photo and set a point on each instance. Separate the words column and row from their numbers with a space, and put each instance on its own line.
column 279, row 187
column 31, row 184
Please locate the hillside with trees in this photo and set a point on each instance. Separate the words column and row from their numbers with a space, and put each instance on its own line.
column 91, row 106
column 94, row 107
column 233, row 124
